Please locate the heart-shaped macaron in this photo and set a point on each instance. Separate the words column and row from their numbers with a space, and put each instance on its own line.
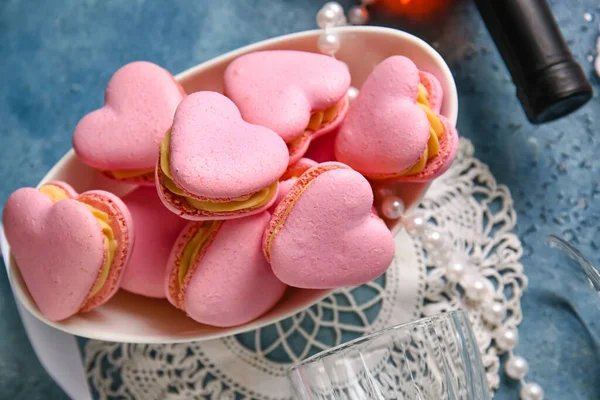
column 217, row 273
column 299, row 95
column 214, row 165
column 392, row 132
column 70, row 249
column 122, row 138
column 323, row 234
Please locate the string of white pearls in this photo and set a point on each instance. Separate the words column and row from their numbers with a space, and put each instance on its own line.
column 517, row 368
column 477, row 289
column 332, row 15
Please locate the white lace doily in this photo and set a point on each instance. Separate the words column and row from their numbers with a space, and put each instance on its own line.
column 465, row 202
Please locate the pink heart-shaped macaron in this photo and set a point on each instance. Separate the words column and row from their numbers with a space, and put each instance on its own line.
column 122, row 138
column 392, row 131
column 217, row 272
column 323, row 234
column 61, row 247
column 290, row 93
column 214, row 165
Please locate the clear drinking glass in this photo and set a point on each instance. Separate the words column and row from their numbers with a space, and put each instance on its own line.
column 580, row 284
column 576, row 261
column 432, row 358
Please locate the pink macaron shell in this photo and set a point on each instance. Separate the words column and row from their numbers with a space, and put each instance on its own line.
column 382, row 136
column 233, row 283
column 125, row 134
column 179, row 206
column 442, row 161
column 385, row 131
column 58, row 247
column 298, row 168
column 214, row 154
column 434, row 89
column 280, row 89
column 284, row 188
column 396, row 76
column 289, row 178
column 453, row 141
column 121, row 223
column 322, row 149
column 330, row 238
column 298, row 147
column 156, row 231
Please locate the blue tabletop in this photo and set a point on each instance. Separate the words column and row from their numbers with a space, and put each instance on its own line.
column 57, row 57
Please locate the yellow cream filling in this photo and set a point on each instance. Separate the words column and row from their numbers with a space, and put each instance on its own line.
column 130, row 173
column 319, row 118
column 254, row 200
column 110, row 244
column 436, row 130
column 56, row 193
column 193, row 247
column 422, row 95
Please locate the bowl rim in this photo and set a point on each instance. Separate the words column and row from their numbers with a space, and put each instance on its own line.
column 451, row 97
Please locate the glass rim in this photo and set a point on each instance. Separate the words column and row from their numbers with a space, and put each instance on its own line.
column 417, row 322
column 569, row 250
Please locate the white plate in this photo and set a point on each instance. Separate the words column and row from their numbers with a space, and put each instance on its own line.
column 132, row 318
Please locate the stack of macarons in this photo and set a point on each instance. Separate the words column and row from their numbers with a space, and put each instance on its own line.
column 240, row 194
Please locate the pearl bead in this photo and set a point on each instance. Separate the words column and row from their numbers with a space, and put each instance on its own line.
column 455, row 271
column 335, row 6
column 517, row 367
column 476, row 287
column 441, row 257
column 352, row 93
column 506, row 338
column 329, row 43
column 331, row 14
column 433, row 238
column 597, row 65
column 392, row 207
column 416, row 223
column 358, row 15
column 494, row 312
column 532, row 391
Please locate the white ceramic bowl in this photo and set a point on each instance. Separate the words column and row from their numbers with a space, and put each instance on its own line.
column 132, row 318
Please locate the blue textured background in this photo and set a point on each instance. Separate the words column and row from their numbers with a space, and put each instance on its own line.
column 58, row 55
